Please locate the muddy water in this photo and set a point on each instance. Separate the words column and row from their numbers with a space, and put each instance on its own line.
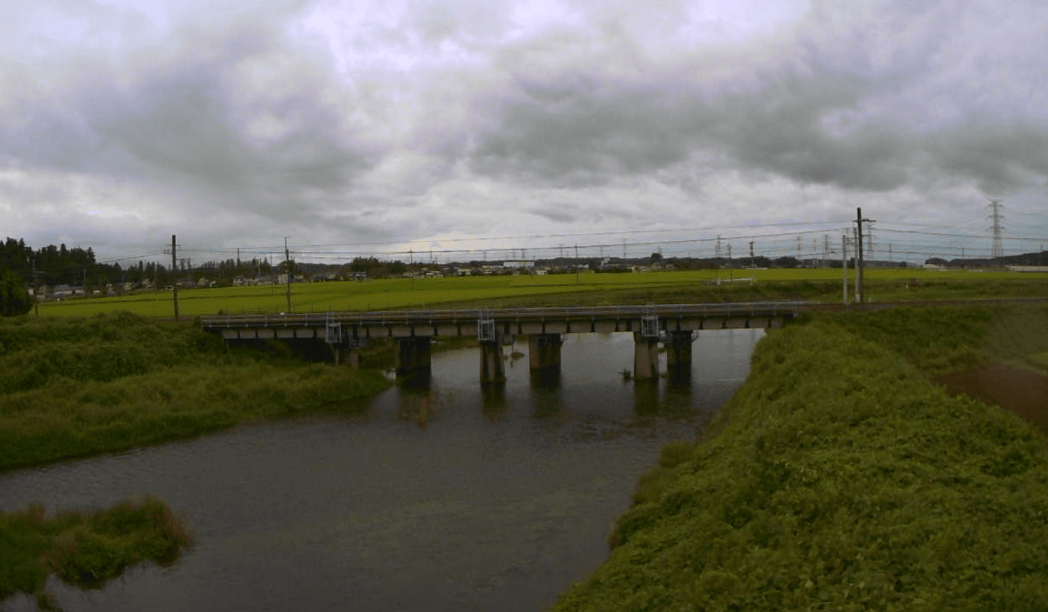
column 445, row 497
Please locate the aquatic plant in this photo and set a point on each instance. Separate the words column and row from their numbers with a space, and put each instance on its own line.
column 85, row 549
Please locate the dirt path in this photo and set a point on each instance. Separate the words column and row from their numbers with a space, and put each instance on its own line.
column 1020, row 391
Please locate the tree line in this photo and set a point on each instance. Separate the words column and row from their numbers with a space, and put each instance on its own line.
column 52, row 266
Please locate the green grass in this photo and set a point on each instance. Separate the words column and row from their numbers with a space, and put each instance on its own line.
column 839, row 478
column 666, row 287
column 951, row 338
column 84, row 549
column 78, row 387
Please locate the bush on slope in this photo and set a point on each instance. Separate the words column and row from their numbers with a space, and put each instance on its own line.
column 842, row 479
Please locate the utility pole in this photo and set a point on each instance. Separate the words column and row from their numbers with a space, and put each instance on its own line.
column 861, row 293
column 731, row 274
column 844, row 265
column 287, row 270
column 174, row 273
column 855, row 243
column 576, row 263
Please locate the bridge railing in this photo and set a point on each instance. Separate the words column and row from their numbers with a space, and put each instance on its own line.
column 400, row 317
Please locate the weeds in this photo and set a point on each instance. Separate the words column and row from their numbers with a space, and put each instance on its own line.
column 85, row 549
column 126, row 381
column 842, row 479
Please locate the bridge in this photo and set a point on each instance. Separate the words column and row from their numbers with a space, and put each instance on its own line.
column 674, row 325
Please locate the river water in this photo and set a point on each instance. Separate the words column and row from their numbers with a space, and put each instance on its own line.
column 447, row 496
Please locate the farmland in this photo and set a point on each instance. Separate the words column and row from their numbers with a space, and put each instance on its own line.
column 817, row 285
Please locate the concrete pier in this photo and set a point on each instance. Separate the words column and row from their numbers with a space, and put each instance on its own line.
column 353, row 358
column 645, row 357
column 544, row 351
column 413, row 357
column 492, row 366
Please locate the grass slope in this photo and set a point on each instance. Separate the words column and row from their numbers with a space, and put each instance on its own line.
column 84, row 549
column 77, row 387
column 840, row 479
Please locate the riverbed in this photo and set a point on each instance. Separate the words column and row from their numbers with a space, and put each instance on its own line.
column 439, row 496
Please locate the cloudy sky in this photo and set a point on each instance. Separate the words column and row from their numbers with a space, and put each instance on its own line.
column 359, row 127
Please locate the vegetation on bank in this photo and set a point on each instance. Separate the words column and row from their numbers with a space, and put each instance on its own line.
column 838, row 477
column 84, row 549
column 77, row 387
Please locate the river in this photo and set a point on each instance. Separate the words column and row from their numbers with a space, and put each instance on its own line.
column 445, row 497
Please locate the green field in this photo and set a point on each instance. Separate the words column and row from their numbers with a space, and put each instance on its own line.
column 822, row 285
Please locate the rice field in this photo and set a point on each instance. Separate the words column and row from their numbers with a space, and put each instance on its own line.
column 699, row 285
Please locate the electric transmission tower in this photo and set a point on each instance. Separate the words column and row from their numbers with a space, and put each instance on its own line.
column 995, row 207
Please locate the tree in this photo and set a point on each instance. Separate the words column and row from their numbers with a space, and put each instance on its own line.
column 14, row 298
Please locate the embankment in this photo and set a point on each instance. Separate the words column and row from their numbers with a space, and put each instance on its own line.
column 839, row 477
column 79, row 387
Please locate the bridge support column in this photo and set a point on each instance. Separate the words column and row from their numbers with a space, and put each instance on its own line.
column 544, row 351
column 413, row 357
column 678, row 353
column 645, row 357
column 492, row 366
column 353, row 358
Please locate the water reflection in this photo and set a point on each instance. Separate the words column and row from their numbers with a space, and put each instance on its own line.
column 443, row 494
column 493, row 399
column 646, row 397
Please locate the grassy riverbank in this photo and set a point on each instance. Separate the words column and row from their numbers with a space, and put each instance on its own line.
column 84, row 549
column 839, row 477
column 85, row 386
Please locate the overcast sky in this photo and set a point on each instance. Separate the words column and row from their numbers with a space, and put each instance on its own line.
column 377, row 126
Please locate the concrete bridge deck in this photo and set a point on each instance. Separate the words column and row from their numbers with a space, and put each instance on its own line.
column 413, row 330
column 507, row 321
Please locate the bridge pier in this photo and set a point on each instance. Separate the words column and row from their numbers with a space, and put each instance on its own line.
column 544, row 351
column 413, row 357
column 645, row 357
column 678, row 353
column 353, row 358
column 492, row 366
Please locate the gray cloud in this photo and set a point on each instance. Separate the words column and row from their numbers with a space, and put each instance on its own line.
column 839, row 102
column 403, row 121
column 188, row 119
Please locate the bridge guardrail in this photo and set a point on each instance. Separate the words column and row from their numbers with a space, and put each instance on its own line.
column 502, row 314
